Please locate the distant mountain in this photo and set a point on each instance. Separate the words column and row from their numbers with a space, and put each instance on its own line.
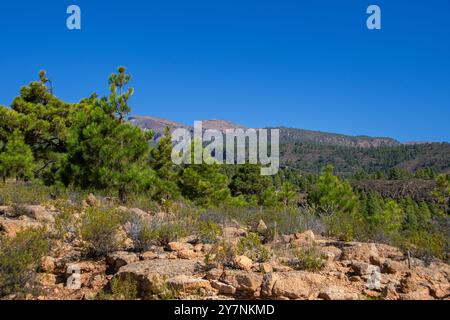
column 301, row 135
column 286, row 134
column 309, row 151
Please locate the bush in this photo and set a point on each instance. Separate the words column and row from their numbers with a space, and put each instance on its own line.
column 24, row 193
column 222, row 253
column 120, row 289
column 19, row 259
column 309, row 258
column 252, row 247
column 99, row 230
column 208, row 231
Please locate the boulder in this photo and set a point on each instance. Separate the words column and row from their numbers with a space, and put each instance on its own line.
column 246, row 282
column 91, row 200
column 150, row 275
column 7, row 211
column 242, row 262
column 360, row 251
column 306, row 238
column 392, row 267
column 148, row 255
column 332, row 253
column 337, row 293
column 291, row 285
column 10, row 227
column 214, row 274
column 118, row 259
column 261, row 227
column 39, row 213
column 47, row 264
column 187, row 254
column 363, row 269
column 265, row 267
column 178, row 246
column 223, row 288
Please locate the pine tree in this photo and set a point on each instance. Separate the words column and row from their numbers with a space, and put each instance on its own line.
column 17, row 159
column 119, row 94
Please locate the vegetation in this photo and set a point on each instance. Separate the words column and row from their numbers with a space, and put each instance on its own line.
column 19, row 259
column 50, row 149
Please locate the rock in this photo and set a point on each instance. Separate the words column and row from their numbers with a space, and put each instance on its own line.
column 46, row 279
column 223, row 287
column 265, row 267
column 188, row 284
column 389, row 292
column 408, row 283
column 422, row 293
column 247, row 282
column 392, row 267
column 291, row 285
column 150, row 275
column 261, row 227
column 233, row 232
column 198, row 247
column 243, row 262
column 280, row 267
column 363, row 269
column 332, row 253
column 337, row 293
column 47, row 264
column 10, row 227
column 306, row 238
column 7, row 211
column 148, row 255
column 360, row 251
column 288, row 238
column 118, row 259
column 38, row 213
column 91, row 200
column 178, row 246
column 187, row 254
column 214, row 274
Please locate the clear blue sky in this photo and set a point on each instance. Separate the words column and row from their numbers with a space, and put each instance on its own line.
column 306, row 64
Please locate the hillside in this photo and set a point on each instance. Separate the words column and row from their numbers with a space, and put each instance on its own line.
column 309, row 150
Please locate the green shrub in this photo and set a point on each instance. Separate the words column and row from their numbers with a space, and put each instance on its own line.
column 99, row 230
column 252, row 247
column 24, row 193
column 208, row 231
column 120, row 289
column 222, row 253
column 308, row 258
column 19, row 259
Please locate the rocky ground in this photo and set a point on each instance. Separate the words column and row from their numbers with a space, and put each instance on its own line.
column 352, row 270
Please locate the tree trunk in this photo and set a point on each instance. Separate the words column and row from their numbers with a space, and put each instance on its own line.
column 123, row 195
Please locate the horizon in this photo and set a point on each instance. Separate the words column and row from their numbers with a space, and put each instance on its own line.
column 260, row 64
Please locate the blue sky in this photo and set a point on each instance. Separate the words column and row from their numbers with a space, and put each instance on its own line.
column 305, row 64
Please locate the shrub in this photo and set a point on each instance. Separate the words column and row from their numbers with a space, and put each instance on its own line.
column 120, row 289
column 66, row 223
column 24, row 193
column 221, row 253
column 208, row 231
column 308, row 258
column 19, row 259
column 99, row 230
column 252, row 247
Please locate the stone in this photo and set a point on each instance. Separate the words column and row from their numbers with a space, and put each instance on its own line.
column 359, row 251
column 332, row 253
column 188, row 284
column 47, row 264
column 39, row 213
column 148, row 255
column 187, row 254
column 223, row 288
column 7, row 211
column 242, row 262
column 10, row 227
column 46, row 279
column 291, row 285
column 265, row 267
column 91, row 200
column 178, row 246
column 337, row 293
column 214, row 274
column 246, row 282
column 150, row 275
column 392, row 267
column 363, row 268
column 118, row 259
column 306, row 238
column 261, row 227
